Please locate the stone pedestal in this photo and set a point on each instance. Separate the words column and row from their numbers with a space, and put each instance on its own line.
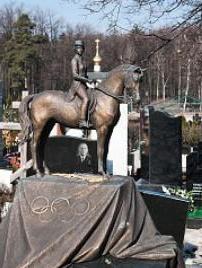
column 165, row 154
column 56, row 221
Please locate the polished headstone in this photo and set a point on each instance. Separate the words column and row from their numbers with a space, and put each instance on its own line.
column 165, row 148
column 126, row 263
column 194, row 164
column 169, row 213
column 61, row 153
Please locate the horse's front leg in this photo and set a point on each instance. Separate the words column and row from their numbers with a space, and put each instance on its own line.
column 102, row 134
column 33, row 151
column 46, row 169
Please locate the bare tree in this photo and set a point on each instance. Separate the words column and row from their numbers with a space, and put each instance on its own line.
column 190, row 11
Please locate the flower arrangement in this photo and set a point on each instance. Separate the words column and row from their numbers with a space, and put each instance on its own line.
column 13, row 160
column 183, row 193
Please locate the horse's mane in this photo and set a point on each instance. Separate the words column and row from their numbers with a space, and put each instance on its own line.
column 123, row 68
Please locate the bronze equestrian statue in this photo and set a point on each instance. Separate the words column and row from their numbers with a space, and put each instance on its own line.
column 38, row 113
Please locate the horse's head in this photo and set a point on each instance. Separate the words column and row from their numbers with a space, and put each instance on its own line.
column 132, row 78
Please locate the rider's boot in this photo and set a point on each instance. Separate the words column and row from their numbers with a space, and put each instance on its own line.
column 83, row 123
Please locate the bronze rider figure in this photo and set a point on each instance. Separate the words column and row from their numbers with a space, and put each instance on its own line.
column 80, row 78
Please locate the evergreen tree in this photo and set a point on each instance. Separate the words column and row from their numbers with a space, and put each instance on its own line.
column 21, row 57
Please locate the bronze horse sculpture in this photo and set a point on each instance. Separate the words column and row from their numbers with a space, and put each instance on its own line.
column 38, row 113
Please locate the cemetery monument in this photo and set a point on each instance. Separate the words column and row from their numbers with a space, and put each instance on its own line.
column 81, row 220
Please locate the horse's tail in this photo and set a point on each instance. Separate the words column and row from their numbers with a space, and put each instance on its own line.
column 25, row 121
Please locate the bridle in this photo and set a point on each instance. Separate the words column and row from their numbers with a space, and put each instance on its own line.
column 122, row 98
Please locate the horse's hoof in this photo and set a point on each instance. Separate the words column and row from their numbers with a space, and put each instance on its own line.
column 106, row 176
column 47, row 171
column 39, row 174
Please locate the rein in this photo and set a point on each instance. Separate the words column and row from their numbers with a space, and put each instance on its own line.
column 118, row 98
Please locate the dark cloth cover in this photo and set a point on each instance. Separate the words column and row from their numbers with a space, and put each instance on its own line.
column 56, row 220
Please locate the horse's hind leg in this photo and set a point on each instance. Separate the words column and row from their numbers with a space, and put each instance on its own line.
column 44, row 136
column 38, row 164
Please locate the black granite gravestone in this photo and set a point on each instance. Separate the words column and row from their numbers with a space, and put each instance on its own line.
column 194, row 164
column 191, row 160
column 169, row 213
column 165, row 148
column 61, row 154
column 111, row 262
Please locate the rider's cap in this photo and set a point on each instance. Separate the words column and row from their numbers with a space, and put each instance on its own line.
column 79, row 43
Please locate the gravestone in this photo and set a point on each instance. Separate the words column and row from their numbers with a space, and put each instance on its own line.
column 61, row 153
column 192, row 160
column 194, row 164
column 111, row 262
column 144, row 143
column 169, row 213
column 165, row 155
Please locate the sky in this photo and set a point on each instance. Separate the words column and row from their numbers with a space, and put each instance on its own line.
column 73, row 14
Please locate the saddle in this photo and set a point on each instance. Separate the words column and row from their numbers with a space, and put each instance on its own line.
column 70, row 96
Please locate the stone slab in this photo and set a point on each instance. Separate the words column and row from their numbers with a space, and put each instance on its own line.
column 117, row 263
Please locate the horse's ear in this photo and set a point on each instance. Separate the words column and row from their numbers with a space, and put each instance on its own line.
column 138, row 70
column 143, row 70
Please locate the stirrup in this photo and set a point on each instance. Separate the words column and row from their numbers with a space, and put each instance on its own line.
column 84, row 124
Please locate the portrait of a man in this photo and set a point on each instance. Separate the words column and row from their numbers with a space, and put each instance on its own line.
column 81, row 156
column 83, row 159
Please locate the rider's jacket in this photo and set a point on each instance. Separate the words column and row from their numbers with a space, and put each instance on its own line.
column 79, row 69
